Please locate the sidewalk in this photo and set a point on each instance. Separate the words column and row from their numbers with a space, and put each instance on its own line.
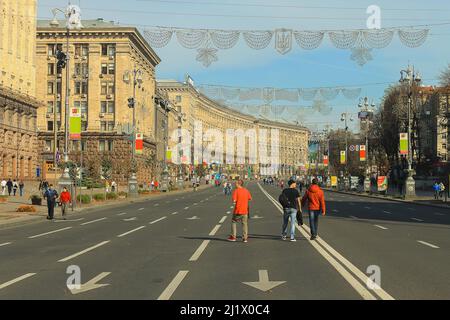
column 422, row 197
column 10, row 218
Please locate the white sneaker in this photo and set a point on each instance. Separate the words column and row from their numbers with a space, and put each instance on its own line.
column 283, row 238
column 293, row 240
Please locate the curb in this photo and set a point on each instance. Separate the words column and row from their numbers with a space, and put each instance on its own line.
column 78, row 212
column 391, row 199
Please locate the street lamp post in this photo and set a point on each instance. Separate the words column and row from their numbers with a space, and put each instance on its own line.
column 137, row 82
column 410, row 77
column 345, row 117
column 365, row 116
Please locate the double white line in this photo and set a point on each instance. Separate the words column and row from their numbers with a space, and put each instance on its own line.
column 355, row 277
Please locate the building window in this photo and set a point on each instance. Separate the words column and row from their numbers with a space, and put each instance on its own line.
column 58, row 107
column 111, row 68
column 81, row 50
column 104, row 68
column 49, row 106
column 105, row 145
column 104, row 88
column 52, row 48
column 102, row 125
column 110, row 126
column 58, row 87
column 84, row 125
column 51, row 69
column 50, row 87
column 81, row 87
column 108, row 50
column 110, row 87
column 178, row 98
column 83, row 145
column 49, row 125
column 49, row 145
column 107, row 107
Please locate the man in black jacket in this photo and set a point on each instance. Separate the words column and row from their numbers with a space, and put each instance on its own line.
column 290, row 200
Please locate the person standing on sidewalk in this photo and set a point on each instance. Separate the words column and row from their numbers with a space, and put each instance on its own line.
column 15, row 187
column 65, row 200
column 21, row 186
column 290, row 200
column 9, row 185
column 51, row 195
column 3, row 187
column 316, row 205
column 241, row 197
column 436, row 190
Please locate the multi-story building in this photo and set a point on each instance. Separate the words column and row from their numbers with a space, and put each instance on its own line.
column 105, row 60
column 193, row 107
column 18, row 106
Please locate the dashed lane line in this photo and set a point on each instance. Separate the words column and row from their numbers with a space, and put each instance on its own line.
column 122, row 213
column 7, row 284
column 169, row 291
column 50, row 232
column 418, row 220
column 214, row 230
column 93, row 221
column 223, row 219
column 200, row 250
column 381, row 227
column 388, row 212
column 131, row 231
column 428, row 244
column 84, row 251
column 140, row 209
column 158, row 220
column 174, row 213
column 4, row 244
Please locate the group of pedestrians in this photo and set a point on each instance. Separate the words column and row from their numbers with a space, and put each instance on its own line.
column 439, row 189
column 292, row 202
column 53, row 199
column 12, row 186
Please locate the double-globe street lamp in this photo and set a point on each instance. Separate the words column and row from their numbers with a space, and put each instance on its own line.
column 410, row 78
column 345, row 117
column 366, row 116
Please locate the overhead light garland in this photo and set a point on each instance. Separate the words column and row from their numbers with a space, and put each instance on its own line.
column 208, row 42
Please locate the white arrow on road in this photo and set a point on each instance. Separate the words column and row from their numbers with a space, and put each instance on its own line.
column 193, row 218
column 264, row 284
column 256, row 217
column 90, row 285
column 130, row 219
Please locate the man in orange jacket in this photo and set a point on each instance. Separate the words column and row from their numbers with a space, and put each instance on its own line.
column 316, row 205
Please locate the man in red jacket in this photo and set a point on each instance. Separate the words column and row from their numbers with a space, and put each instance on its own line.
column 316, row 205
column 64, row 199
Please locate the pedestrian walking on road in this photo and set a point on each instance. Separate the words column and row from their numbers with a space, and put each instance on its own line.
column 21, row 187
column 241, row 197
column 64, row 200
column 3, row 184
column 9, row 185
column 316, row 205
column 290, row 200
column 441, row 189
column 51, row 195
column 15, row 187
column 436, row 190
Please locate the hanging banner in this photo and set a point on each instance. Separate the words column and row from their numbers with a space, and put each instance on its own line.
column 325, row 161
column 382, row 183
column 343, row 157
column 362, row 153
column 403, row 143
column 75, row 124
column 139, row 145
column 169, row 156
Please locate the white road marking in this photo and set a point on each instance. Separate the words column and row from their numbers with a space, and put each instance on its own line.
column 4, row 244
column 156, row 204
column 158, row 220
column 439, row 214
column 130, row 219
column 93, row 221
column 131, row 231
column 264, row 284
column 174, row 213
column 193, row 218
column 7, row 284
column 201, row 201
column 121, row 214
column 84, row 251
column 168, row 292
column 195, row 204
column 140, row 209
column 186, row 208
column 44, row 234
column 228, row 212
column 428, row 244
column 199, row 251
column 69, row 220
column 381, row 227
column 353, row 217
column 415, row 219
column 214, row 230
column 334, row 210
column 223, row 219
column 387, row 212
column 231, row 207
column 332, row 256
column 90, row 285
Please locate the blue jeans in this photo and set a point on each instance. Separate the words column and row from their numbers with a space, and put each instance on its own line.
column 314, row 221
column 292, row 213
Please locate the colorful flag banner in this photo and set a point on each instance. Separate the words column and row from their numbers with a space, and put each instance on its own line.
column 403, row 143
column 325, row 161
column 169, row 155
column 362, row 152
column 75, row 123
column 334, row 181
column 382, row 183
column 343, row 157
column 139, row 146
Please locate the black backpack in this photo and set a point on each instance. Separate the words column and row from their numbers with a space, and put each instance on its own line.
column 283, row 199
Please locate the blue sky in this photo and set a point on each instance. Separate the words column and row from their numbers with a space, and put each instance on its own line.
column 322, row 67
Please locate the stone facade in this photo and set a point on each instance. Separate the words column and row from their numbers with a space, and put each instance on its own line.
column 192, row 106
column 103, row 60
column 18, row 106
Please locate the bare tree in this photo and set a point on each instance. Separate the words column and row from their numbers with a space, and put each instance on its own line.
column 444, row 77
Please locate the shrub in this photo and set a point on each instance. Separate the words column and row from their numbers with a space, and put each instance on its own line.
column 32, row 197
column 84, row 198
column 122, row 194
column 143, row 192
column 99, row 197
column 25, row 208
column 111, row 196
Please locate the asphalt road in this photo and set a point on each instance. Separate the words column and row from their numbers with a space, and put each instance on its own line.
column 175, row 248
